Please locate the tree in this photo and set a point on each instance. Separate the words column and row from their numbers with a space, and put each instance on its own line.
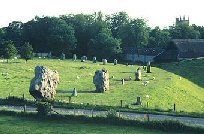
column 104, row 46
column 158, row 37
column 134, row 33
column 183, row 32
column 9, row 50
column 26, row 51
column 117, row 21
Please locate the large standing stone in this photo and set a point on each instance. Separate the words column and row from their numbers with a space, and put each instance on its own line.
column 148, row 67
column 44, row 84
column 101, row 80
column 138, row 74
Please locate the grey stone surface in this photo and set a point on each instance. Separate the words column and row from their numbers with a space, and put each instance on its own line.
column 139, row 100
column 101, row 80
column 83, row 58
column 74, row 93
column 49, row 55
column 74, row 57
column 94, row 59
column 62, row 57
column 44, row 84
column 115, row 61
column 104, row 61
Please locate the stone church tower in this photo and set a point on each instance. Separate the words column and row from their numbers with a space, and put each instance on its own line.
column 180, row 21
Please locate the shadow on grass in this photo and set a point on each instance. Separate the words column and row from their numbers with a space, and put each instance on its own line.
column 10, row 62
column 193, row 70
column 80, row 91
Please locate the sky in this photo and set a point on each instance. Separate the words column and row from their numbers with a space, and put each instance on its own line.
column 160, row 13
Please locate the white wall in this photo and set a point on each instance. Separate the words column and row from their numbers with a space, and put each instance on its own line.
column 142, row 58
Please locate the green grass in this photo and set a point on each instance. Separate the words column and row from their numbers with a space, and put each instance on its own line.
column 22, row 125
column 187, row 92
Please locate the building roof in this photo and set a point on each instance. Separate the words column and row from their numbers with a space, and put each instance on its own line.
column 189, row 48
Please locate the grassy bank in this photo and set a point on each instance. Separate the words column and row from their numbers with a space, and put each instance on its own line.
column 169, row 86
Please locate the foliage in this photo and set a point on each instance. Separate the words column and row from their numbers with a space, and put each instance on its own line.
column 9, row 50
column 104, row 46
column 112, row 114
column 158, row 37
column 26, row 51
column 134, row 33
column 43, row 108
column 183, row 32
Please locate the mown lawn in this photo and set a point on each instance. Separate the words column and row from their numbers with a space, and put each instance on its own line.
column 169, row 86
column 16, row 125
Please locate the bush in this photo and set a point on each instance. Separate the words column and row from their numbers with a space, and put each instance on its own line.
column 112, row 113
column 44, row 108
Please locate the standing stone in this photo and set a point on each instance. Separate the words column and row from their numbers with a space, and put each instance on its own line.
column 104, row 61
column 74, row 57
column 138, row 74
column 49, row 55
column 139, row 100
column 148, row 67
column 115, row 62
column 94, row 59
column 74, row 93
column 101, row 80
column 44, row 84
column 123, row 81
column 62, row 57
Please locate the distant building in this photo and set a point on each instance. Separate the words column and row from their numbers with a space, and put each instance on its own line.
column 180, row 21
column 179, row 49
column 135, row 54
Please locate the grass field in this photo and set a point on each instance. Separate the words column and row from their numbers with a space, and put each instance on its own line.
column 11, row 124
column 167, row 88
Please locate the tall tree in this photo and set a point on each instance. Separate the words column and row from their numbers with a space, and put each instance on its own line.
column 158, row 37
column 14, row 32
column 26, row 51
column 135, row 33
column 183, row 32
column 117, row 21
column 104, row 45
column 9, row 50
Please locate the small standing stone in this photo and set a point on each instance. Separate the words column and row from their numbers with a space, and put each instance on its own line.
column 74, row 57
column 83, row 58
column 139, row 100
column 123, row 81
column 94, row 59
column 115, row 61
column 149, row 67
column 138, row 74
column 104, row 61
column 74, row 93
column 49, row 55
column 62, row 56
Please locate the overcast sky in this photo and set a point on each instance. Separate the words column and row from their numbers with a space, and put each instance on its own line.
column 158, row 12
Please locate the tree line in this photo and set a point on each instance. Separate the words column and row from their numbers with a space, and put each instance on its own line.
column 103, row 36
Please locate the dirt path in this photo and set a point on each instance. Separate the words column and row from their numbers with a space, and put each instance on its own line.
column 187, row 120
